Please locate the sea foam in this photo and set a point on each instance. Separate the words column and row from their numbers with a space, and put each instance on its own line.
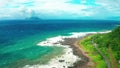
column 68, row 58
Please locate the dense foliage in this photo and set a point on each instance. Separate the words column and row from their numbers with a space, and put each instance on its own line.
column 110, row 40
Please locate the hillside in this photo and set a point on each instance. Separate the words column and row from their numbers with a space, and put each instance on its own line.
column 109, row 44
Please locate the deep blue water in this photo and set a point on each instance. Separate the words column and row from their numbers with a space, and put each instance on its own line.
column 18, row 38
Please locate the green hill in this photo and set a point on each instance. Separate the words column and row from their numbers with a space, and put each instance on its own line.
column 109, row 44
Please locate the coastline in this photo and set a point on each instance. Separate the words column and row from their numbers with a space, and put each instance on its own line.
column 73, row 57
column 85, row 61
column 64, row 61
column 21, row 43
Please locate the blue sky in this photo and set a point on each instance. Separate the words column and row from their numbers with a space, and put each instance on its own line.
column 60, row 9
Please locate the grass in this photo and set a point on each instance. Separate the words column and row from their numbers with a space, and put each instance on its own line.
column 107, row 51
column 87, row 46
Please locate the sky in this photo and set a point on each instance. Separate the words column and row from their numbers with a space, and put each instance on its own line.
column 60, row 9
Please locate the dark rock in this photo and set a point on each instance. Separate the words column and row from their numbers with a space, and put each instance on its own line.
column 61, row 60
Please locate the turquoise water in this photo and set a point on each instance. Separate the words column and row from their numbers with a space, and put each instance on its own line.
column 18, row 39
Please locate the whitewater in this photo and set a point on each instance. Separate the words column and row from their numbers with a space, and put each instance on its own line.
column 68, row 58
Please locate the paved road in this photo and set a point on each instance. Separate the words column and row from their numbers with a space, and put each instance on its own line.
column 105, row 58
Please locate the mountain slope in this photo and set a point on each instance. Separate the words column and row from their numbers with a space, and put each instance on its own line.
column 109, row 44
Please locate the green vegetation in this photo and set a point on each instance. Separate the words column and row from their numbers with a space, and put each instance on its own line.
column 87, row 46
column 109, row 44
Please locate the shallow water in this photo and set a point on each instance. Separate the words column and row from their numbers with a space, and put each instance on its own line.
column 19, row 38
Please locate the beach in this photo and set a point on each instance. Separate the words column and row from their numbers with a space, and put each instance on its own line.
column 85, row 61
column 73, row 57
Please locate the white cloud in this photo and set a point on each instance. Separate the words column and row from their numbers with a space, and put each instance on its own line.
column 58, row 9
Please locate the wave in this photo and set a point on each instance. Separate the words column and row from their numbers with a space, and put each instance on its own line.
column 68, row 58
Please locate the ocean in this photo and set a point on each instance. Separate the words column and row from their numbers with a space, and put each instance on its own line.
column 19, row 39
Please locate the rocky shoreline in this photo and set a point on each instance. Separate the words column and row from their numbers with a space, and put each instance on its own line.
column 85, row 61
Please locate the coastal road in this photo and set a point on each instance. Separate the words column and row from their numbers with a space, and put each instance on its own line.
column 105, row 58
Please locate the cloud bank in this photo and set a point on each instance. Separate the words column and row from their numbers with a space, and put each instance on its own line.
column 63, row 9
